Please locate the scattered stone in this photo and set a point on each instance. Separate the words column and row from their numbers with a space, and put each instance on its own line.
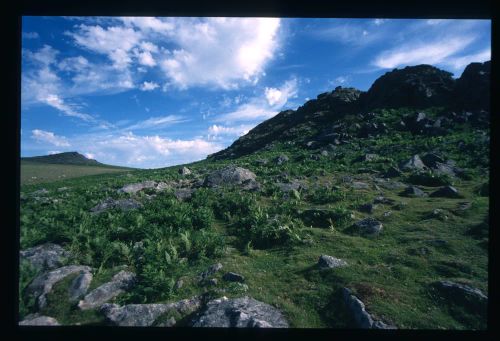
column 233, row 277
column 281, row 159
column 42, row 191
column 239, row 312
column 324, row 153
column 383, row 200
column 134, row 188
column 431, row 159
column 46, row 256
column 184, row 171
column 109, row 203
column 291, row 186
column 439, row 214
column 329, row 262
column 360, row 185
column 62, row 189
column 36, row 320
column 368, row 208
column 144, row 315
column 387, row 214
column 210, row 271
column 464, row 206
column 179, row 284
column 392, row 172
column 359, row 314
column 250, row 185
column 446, row 192
column 261, row 162
column 414, row 163
column 413, row 191
column 79, row 286
column 183, row 193
column 471, row 298
column 369, row 226
column 347, row 179
column 230, row 175
column 211, row 282
column 120, row 282
column 388, row 184
column 43, row 284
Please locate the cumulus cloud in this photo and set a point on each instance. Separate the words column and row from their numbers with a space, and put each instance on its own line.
column 216, row 130
column 278, row 97
column 462, row 61
column 149, row 86
column 434, row 52
column 49, row 137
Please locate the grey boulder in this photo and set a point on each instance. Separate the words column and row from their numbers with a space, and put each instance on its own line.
column 37, row 320
column 361, row 317
column 122, row 204
column 369, row 226
column 329, row 262
column 184, row 171
column 446, row 192
column 230, row 175
column 120, row 282
column 244, row 312
column 413, row 191
column 46, row 256
column 414, row 163
column 134, row 188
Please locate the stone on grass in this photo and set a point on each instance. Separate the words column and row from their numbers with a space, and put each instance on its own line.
column 281, row 159
column 134, row 188
column 120, row 282
column 369, row 226
column 37, row 320
column 210, row 271
column 184, row 171
column 359, row 314
column 367, row 208
column 244, row 312
column 414, row 163
column 360, row 185
column 183, row 193
column 43, row 284
column 230, row 175
column 471, row 298
column 413, row 191
column 329, row 262
column 446, row 192
column 46, row 256
column 233, row 277
column 122, row 204
column 79, row 286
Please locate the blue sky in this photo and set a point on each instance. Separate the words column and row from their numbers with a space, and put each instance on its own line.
column 153, row 92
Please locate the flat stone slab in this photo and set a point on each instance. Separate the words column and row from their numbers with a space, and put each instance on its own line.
column 42, row 285
column 145, row 315
column 37, row 320
column 329, row 262
column 46, row 256
column 120, row 282
column 244, row 312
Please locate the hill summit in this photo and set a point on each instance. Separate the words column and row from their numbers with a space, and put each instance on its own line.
column 67, row 158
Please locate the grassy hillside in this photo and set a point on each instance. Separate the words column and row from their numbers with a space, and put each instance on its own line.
column 41, row 172
column 268, row 237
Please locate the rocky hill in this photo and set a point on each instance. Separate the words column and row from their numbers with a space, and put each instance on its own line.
column 417, row 87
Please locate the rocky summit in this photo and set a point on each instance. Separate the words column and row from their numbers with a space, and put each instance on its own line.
column 357, row 210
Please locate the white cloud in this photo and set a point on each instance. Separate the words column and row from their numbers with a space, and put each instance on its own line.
column 157, row 122
column 49, row 137
column 58, row 103
column 149, row 86
column 216, row 130
column 278, row 97
column 462, row 61
column 30, row 35
column 435, row 52
column 89, row 156
column 44, row 56
column 74, row 64
column 221, row 52
column 379, row 22
column 52, row 152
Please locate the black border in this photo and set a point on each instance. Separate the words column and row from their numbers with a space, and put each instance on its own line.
column 477, row 9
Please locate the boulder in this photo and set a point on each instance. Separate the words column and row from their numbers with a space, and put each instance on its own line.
column 431, row 159
column 414, row 163
column 42, row 285
column 392, row 172
column 359, row 185
column 467, row 296
column 281, row 159
column 357, row 311
column 291, row 186
column 369, row 226
column 367, row 208
column 210, row 271
column 184, row 171
column 230, row 175
column 145, row 315
column 413, row 191
column 244, row 312
column 37, row 320
column 42, row 191
column 120, row 282
column 446, row 192
column 46, row 256
column 389, row 184
column 383, row 200
column 233, row 277
column 134, row 188
column 329, row 262
column 183, row 193
column 122, row 204
column 79, row 286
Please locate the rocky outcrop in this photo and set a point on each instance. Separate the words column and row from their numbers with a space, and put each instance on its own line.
column 471, row 298
column 244, row 312
column 329, row 262
column 145, row 315
column 183, row 193
column 184, row 171
column 79, row 286
column 472, row 89
column 122, row 204
column 414, row 163
column 43, row 284
column 361, row 317
column 46, row 256
column 120, row 282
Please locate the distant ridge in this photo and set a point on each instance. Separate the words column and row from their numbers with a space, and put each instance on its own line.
column 67, row 158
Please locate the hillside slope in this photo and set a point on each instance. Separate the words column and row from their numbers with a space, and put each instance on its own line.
column 67, row 158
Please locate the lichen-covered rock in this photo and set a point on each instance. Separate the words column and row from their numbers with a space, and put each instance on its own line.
column 230, row 175
column 120, row 282
column 134, row 188
column 144, row 315
column 239, row 312
column 359, row 185
column 46, row 256
column 329, row 262
column 42, row 285
column 122, row 204
column 37, row 320
column 184, row 171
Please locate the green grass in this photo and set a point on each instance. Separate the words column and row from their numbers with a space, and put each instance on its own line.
column 168, row 240
column 37, row 172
